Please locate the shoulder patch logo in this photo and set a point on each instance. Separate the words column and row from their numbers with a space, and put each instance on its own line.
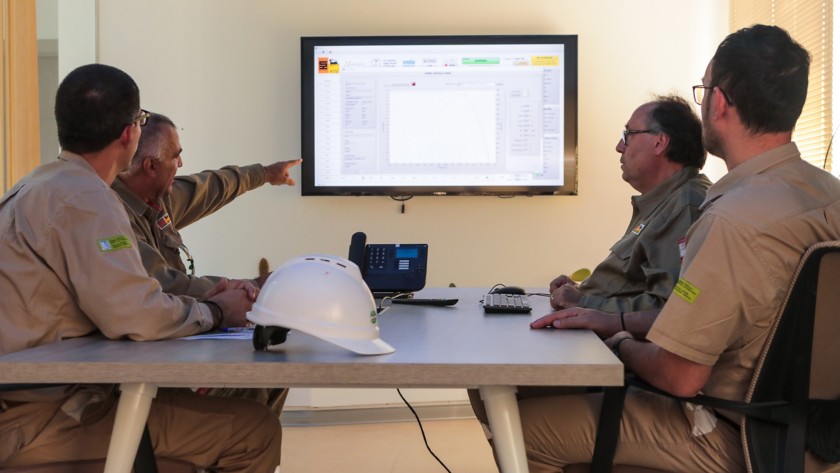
column 638, row 229
column 114, row 243
column 687, row 291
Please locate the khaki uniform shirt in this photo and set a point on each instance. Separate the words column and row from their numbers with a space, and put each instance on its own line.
column 192, row 198
column 741, row 255
column 70, row 268
column 643, row 266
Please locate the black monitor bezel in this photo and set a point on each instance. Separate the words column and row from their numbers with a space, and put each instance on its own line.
column 570, row 154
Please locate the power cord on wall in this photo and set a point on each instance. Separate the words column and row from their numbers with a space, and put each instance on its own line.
column 401, row 199
column 422, row 432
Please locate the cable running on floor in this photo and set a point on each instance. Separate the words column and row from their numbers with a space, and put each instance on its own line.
column 422, row 432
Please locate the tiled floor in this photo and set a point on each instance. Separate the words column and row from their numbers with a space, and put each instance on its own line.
column 393, row 447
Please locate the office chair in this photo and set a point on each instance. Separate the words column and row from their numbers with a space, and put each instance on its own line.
column 791, row 414
column 144, row 462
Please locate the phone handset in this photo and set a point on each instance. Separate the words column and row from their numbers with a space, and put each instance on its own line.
column 357, row 250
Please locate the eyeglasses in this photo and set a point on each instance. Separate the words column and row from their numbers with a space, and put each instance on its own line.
column 142, row 117
column 626, row 133
column 700, row 92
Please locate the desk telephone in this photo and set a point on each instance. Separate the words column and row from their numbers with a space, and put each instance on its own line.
column 390, row 268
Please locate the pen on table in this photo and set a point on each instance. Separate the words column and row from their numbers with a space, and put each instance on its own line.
column 234, row 329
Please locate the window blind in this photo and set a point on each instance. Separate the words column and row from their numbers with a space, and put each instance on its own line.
column 810, row 24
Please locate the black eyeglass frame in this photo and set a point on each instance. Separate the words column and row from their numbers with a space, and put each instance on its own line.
column 626, row 133
column 699, row 101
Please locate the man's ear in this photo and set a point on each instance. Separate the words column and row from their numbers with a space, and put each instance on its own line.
column 126, row 135
column 660, row 146
column 722, row 106
column 150, row 165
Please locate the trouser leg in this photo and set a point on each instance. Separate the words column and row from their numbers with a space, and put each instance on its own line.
column 229, row 435
column 522, row 392
column 655, row 433
column 40, row 432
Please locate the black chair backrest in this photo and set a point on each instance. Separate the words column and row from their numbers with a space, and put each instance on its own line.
column 786, row 369
column 793, row 401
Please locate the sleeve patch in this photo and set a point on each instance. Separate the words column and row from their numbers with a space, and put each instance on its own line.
column 114, row 243
column 686, row 290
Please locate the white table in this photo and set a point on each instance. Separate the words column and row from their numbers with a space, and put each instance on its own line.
column 436, row 347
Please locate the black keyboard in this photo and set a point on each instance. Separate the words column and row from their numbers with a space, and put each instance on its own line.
column 506, row 304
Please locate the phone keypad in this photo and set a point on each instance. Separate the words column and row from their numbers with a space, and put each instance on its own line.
column 378, row 256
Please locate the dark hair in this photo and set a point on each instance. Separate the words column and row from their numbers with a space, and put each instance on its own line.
column 764, row 74
column 152, row 139
column 675, row 117
column 93, row 105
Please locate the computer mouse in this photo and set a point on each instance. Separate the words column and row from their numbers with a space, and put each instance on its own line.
column 508, row 290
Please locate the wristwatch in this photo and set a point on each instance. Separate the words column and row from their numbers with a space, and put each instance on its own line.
column 615, row 348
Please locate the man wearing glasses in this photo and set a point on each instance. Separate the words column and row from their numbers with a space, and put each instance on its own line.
column 741, row 254
column 662, row 153
column 70, row 268
column 159, row 204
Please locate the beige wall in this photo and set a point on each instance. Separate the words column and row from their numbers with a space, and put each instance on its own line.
column 228, row 74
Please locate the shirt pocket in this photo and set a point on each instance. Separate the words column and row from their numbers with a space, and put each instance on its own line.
column 170, row 242
column 618, row 269
column 623, row 249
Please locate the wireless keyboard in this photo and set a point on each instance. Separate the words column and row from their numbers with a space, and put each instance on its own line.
column 506, row 304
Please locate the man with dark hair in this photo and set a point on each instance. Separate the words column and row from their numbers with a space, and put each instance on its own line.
column 741, row 254
column 661, row 154
column 159, row 203
column 70, row 268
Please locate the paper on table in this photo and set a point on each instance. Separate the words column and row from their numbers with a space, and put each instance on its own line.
column 238, row 333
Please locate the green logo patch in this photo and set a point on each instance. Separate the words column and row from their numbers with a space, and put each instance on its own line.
column 114, row 243
column 686, row 290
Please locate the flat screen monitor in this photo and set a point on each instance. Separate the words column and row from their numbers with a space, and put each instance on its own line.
column 439, row 115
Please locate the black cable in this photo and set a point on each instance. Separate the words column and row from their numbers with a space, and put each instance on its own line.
column 828, row 149
column 422, row 432
column 401, row 199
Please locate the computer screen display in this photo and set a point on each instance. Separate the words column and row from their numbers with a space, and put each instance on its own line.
column 439, row 115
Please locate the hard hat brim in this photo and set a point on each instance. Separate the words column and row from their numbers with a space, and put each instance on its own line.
column 377, row 346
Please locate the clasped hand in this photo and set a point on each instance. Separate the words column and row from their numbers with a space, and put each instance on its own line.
column 564, row 293
column 235, row 297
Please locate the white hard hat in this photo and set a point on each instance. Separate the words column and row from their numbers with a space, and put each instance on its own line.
column 323, row 296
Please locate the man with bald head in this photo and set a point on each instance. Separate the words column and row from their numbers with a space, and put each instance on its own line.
column 661, row 154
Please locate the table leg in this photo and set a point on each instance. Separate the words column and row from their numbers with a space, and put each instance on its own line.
column 132, row 412
column 503, row 414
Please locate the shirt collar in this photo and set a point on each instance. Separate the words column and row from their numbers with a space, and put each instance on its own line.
column 654, row 196
column 77, row 159
column 753, row 166
column 132, row 201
